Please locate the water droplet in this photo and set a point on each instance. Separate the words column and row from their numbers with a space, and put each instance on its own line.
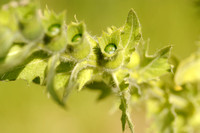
column 110, row 48
column 77, row 38
column 54, row 29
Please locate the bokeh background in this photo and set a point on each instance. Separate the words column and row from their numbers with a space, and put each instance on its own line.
column 27, row 109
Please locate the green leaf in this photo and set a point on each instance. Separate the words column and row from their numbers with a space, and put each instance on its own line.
column 51, row 72
column 60, row 81
column 131, row 32
column 152, row 67
column 188, row 70
column 80, row 75
column 32, row 70
column 63, row 71
column 83, row 77
column 130, row 36
column 16, row 55
column 125, row 113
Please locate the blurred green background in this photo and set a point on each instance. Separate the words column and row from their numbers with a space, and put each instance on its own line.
column 27, row 109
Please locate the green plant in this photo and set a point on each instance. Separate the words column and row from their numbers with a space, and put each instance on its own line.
column 41, row 48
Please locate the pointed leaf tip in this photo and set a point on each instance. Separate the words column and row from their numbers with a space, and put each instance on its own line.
column 132, row 16
column 131, row 11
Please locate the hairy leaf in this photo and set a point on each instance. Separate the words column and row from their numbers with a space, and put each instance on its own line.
column 152, row 67
column 131, row 32
column 125, row 118
column 51, row 72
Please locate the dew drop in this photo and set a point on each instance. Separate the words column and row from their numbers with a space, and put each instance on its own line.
column 54, row 29
column 110, row 48
column 77, row 38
